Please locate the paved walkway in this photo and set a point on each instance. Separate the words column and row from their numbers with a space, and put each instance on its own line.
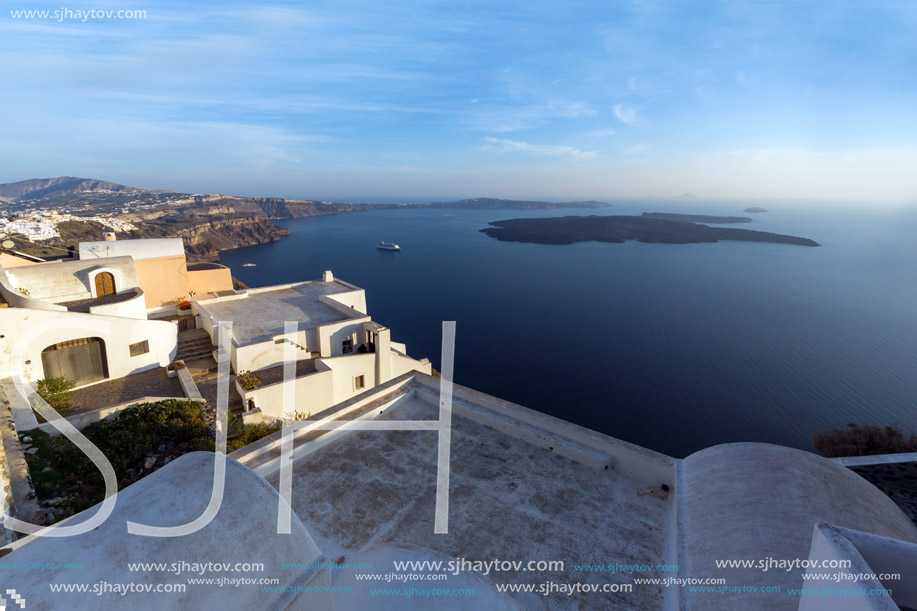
column 152, row 383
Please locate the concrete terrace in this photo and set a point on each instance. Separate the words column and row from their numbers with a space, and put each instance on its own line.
column 152, row 383
column 516, row 493
column 259, row 315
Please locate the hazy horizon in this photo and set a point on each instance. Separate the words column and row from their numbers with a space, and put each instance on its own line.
column 730, row 99
column 683, row 202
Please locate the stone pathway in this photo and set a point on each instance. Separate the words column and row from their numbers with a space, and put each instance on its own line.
column 152, row 383
column 206, row 381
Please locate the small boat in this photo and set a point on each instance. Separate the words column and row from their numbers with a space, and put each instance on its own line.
column 388, row 246
column 249, row 264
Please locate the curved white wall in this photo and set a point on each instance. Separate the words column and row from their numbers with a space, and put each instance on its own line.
column 135, row 307
column 754, row 500
column 18, row 300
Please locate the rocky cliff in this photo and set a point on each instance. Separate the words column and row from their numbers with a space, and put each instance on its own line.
column 206, row 236
column 277, row 208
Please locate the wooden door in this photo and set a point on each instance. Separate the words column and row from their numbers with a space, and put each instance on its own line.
column 81, row 360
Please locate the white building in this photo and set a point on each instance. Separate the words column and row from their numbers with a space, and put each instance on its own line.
column 340, row 351
column 113, row 312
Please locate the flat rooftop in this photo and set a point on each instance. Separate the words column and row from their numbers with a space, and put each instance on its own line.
column 509, row 499
column 260, row 315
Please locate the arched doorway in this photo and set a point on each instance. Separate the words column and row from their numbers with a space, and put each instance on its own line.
column 105, row 284
column 82, row 360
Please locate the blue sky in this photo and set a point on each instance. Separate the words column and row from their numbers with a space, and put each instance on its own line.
column 353, row 99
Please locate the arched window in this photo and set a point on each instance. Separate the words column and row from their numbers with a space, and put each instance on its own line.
column 105, row 284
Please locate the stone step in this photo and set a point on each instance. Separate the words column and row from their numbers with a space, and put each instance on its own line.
column 195, row 348
column 194, row 343
column 189, row 355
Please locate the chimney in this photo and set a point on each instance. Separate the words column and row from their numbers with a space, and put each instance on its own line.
column 327, row 276
column 109, row 236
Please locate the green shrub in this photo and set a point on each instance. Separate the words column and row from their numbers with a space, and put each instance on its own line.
column 126, row 441
column 57, row 392
column 249, row 433
column 863, row 440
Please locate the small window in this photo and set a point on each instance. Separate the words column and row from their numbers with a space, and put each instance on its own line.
column 347, row 346
column 359, row 382
column 105, row 284
column 140, row 348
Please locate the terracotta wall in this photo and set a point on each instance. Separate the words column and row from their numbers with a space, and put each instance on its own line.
column 8, row 260
column 163, row 279
column 202, row 281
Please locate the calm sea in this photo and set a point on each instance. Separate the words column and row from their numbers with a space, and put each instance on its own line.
column 673, row 347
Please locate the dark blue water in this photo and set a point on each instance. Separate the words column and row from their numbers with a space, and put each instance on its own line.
column 673, row 347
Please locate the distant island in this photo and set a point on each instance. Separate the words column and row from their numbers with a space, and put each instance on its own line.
column 491, row 203
column 618, row 229
column 696, row 218
column 754, row 209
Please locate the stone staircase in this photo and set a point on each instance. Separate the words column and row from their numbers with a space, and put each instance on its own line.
column 194, row 344
column 196, row 350
column 206, row 381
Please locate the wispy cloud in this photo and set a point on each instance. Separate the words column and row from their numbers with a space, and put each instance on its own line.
column 508, row 118
column 236, row 92
column 636, row 149
column 626, row 114
column 501, row 145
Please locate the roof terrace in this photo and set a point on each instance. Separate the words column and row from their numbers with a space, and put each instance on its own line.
column 516, row 491
column 259, row 314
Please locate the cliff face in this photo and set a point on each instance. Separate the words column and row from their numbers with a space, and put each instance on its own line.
column 300, row 208
column 204, row 241
column 204, row 237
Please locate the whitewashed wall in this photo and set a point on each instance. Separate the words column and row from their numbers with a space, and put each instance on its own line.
column 38, row 329
column 314, row 393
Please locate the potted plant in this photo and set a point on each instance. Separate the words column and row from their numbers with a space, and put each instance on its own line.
column 173, row 368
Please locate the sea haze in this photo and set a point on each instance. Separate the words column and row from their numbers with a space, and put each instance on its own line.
column 673, row 347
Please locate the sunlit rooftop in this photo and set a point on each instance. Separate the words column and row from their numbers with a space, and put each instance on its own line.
column 259, row 315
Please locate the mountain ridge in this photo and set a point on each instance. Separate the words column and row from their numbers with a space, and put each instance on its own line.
column 38, row 188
